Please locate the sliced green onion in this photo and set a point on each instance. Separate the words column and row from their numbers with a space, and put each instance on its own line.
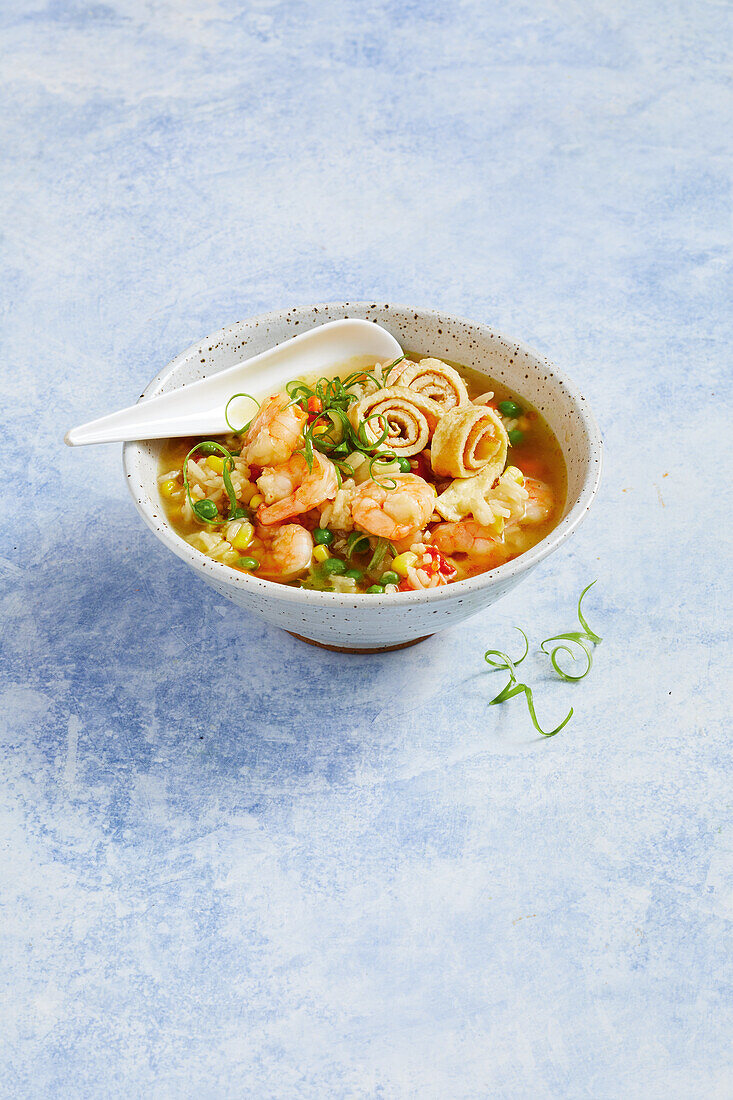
column 500, row 661
column 239, row 431
column 206, row 511
column 583, row 639
column 357, row 543
column 382, row 459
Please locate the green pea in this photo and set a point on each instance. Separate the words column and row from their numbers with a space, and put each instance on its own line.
column 206, row 510
column 333, row 565
column 510, row 408
column 354, row 574
column 251, row 564
column 375, row 589
column 209, row 448
column 515, row 437
column 322, row 536
column 390, row 577
column 404, row 465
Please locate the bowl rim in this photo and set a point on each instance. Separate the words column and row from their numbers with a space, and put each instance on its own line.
column 223, row 573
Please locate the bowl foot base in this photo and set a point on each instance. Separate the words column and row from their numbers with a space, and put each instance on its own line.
column 369, row 649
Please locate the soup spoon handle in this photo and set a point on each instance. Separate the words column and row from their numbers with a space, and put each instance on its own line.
column 199, row 408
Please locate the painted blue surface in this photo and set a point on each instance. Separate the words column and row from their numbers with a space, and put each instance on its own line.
column 233, row 865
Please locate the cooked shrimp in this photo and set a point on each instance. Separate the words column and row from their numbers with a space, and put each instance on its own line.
column 274, row 433
column 393, row 513
column 282, row 553
column 393, row 378
column 466, row 536
column 291, row 488
column 540, row 504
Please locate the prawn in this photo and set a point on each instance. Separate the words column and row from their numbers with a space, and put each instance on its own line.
column 393, row 513
column 467, row 536
column 282, row 553
column 291, row 488
column 274, row 433
column 540, row 503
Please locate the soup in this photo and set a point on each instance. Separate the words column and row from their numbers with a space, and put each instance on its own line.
column 402, row 476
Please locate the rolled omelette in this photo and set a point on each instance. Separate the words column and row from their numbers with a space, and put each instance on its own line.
column 432, row 378
column 411, row 419
column 469, row 438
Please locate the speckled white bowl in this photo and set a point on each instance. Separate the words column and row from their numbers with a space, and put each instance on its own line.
column 379, row 622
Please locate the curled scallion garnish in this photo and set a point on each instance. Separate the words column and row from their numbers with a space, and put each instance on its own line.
column 357, row 543
column 358, row 378
column 206, row 510
column 340, row 438
column 239, row 431
column 584, row 639
column 386, row 459
column 297, row 389
column 513, row 687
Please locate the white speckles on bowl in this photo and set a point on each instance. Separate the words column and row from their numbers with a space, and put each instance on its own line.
column 374, row 622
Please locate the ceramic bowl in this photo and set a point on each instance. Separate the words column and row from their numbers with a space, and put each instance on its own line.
column 370, row 622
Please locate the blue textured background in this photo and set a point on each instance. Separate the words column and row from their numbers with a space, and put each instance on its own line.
column 233, row 865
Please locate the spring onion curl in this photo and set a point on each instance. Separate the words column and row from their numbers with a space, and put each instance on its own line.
column 382, row 458
column 206, row 510
column 331, row 392
column 332, row 433
column 243, row 429
column 513, row 688
column 583, row 639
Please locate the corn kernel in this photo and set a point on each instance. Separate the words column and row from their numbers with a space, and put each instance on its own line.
column 403, row 562
column 216, row 463
column 243, row 537
column 515, row 474
column 497, row 527
column 248, row 491
column 169, row 488
column 256, row 500
column 321, row 553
